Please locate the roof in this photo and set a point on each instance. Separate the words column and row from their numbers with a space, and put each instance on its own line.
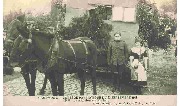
column 125, row 3
column 101, row 2
column 87, row 4
column 79, row 4
column 122, row 3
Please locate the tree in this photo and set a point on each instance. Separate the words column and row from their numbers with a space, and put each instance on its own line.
column 147, row 17
column 58, row 14
column 151, row 28
column 43, row 22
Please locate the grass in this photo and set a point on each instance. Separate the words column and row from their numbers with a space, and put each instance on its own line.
column 162, row 75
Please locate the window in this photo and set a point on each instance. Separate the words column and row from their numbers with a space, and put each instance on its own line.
column 129, row 15
column 123, row 14
column 117, row 13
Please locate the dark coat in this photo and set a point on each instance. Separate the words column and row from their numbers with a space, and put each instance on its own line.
column 13, row 32
column 14, row 29
column 117, row 52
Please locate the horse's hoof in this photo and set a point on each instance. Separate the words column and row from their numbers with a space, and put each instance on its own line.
column 61, row 94
column 81, row 93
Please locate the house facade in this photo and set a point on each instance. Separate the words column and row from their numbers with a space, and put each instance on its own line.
column 121, row 10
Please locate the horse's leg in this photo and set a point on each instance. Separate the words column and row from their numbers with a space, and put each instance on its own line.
column 27, row 81
column 53, row 82
column 113, row 81
column 119, row 77
column 60, row 83
column 81, row 73
column 44, row 85
column 120, row 69
column 93, row 76
column 113, row 69
column 33, row 81
column 25, row 74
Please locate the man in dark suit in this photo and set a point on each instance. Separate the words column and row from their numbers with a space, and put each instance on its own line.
column 117, row 56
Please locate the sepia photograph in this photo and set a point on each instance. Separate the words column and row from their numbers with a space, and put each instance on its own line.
column 90, row 48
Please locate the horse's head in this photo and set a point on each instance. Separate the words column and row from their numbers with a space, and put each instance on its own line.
column 22, row 53
column 35, row 47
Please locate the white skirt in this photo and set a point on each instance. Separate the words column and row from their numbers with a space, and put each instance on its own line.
column 140, row 73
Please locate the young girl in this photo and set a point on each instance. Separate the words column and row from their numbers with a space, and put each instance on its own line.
column 138, row 63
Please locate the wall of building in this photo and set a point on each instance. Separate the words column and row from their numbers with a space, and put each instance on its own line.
column 71, row 13
column 128, row 31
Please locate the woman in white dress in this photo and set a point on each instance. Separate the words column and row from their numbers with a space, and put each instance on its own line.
column 138, row 63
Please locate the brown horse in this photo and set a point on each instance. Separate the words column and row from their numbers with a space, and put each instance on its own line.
column 71, row 56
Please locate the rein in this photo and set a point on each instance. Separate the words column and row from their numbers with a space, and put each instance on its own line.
column 29, row 42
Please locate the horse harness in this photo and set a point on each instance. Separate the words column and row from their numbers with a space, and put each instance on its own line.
column 29, row 60
column 77, row 40
column 85, row 47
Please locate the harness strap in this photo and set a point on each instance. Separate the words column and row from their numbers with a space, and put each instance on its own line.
column 72, row 50
column 84, row 45
column 75, row 62
column 85, row 48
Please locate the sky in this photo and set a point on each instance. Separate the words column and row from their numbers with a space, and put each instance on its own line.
column 26, row 5
column 38, row 6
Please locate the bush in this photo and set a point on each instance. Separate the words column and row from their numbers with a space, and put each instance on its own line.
column 163, row 42
column 43, row 22
column 91, row 26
